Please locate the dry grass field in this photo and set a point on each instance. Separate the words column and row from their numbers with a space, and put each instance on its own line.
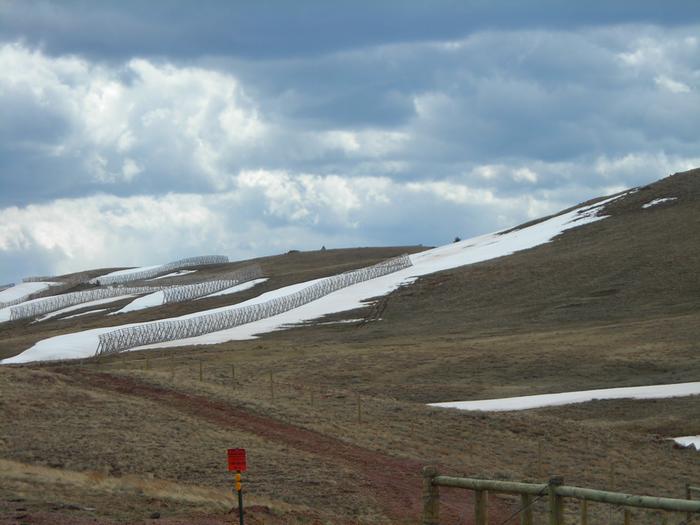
column 333, row 415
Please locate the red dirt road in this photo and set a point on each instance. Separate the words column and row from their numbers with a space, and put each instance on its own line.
column 394, row 482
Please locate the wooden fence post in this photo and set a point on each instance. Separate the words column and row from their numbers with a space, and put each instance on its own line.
column 584, row 512
column 526, row 513
column 556, row 502
column 627, row 517
column 431, row 497
column 611, row 488
column 481, row 507
column 201, row 375
column 233, row 376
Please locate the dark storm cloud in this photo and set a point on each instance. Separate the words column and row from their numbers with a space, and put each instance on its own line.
column 253, row 128
column 282, row 29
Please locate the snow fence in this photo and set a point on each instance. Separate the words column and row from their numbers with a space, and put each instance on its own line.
column 178, row 294
column 164, row 268
column 38, row 279
column 56, row 302
column 19, row 300
column 161, row 331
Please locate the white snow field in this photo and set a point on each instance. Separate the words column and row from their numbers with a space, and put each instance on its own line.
column 567, row 398
column 688, row 441
column 86, row 313
column 80, row 306
column 470, row 251
column 157, row 298
column 235, row 289
column 21, row 290
column 6, row 312
column 656, row 202
column 147, row 272
column 147, row 301
column 179, row 273
column 129, row 271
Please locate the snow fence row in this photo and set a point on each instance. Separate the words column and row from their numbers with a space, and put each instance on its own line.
column 56, row 302
column 19, row 300
column 164, row 268
column 178, row 294
column 161, row 331
column 38, row 279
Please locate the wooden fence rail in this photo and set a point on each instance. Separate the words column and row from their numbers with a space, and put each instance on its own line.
column 555, row 491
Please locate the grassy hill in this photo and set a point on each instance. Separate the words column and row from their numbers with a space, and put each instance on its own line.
column 333, row 414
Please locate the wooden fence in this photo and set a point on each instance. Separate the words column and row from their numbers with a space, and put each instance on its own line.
column 555, row 491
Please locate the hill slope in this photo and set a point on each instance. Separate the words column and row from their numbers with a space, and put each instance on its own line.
column 614, row 303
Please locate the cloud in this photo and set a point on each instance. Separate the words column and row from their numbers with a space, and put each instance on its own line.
column 397, row 140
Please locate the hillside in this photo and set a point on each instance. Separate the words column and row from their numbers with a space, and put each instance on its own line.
column 334, row 413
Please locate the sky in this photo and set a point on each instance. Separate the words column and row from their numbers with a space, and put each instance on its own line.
column 136, row 133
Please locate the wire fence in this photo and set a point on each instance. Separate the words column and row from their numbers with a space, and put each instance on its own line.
column 37, row 279
column 153, row 272
column 18, row 300
column 177, row 294
column 57, row 302
column 161, row 331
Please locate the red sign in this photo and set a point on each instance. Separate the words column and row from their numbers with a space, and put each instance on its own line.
column 236, row 459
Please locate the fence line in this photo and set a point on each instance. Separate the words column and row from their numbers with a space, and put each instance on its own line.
column 19, row 300
column 6, row 286
column 177, row 294
column 170, row 330
column 57, row 302
column 555, row 490
column 37, row 279
column 147, row 274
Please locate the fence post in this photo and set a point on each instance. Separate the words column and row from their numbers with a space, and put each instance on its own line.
column 526, row 512
column 584, row 512
column 431, row 497
column 611, row 488
column 688, row 495
column 200, row 370
column 481, row 507
column 359, row 408
column 556, row 502
column 233, row 376
column 627, row 517
column 272, row 387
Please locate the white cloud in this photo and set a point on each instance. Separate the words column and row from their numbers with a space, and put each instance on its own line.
column 525, row 175
column 671, row 85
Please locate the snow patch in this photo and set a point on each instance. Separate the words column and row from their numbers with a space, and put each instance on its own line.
column 656, row 202
column 24, row 289
column 568, row 398
column 688, row 441
column 147, row 301
column 470, row 251
column 80, row 306
column 86, row 313
column 174, row 274
column 235, row 289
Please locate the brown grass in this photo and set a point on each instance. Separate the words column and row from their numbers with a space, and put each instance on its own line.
column 616, row 303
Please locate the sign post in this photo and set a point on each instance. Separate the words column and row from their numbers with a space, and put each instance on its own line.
column 237, row 463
